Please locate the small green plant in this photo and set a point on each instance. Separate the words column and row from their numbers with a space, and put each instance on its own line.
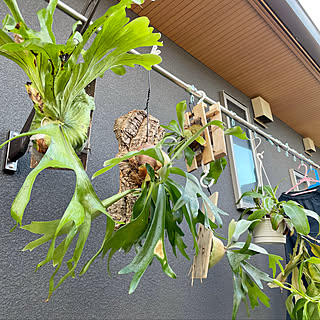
column 290, row 213
column 303, row 269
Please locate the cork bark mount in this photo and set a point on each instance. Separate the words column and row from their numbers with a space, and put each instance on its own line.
column 131, row 133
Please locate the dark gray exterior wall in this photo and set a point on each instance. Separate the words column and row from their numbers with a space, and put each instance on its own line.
column 95, row 295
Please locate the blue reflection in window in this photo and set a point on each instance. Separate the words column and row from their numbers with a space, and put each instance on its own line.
column 245, row 167
column 243, row 155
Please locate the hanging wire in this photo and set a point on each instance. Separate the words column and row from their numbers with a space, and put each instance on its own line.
column 147, row 108
column 191, row 103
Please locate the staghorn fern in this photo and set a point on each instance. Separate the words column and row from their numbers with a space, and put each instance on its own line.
column 58, row 74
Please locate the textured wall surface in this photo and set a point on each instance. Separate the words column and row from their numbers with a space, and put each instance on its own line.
column 95, row 295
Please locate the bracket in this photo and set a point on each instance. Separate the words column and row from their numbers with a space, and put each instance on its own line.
column 10, row 166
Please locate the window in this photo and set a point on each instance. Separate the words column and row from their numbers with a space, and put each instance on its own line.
column 242, row 157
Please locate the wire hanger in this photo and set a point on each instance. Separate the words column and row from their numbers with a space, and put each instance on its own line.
column 304, row 179
column 205, row 169
column 261, row 168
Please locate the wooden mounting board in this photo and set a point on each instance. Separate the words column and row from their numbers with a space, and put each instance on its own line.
column 199, row 268
column 219, row 144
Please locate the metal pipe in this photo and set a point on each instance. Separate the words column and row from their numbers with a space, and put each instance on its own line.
column 190, row 88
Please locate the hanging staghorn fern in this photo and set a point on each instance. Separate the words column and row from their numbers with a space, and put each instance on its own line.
column 58, row 74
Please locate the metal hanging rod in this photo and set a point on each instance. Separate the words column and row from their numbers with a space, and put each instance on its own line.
column 192, row 90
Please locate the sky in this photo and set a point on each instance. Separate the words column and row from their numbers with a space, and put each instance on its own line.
column 312, row 7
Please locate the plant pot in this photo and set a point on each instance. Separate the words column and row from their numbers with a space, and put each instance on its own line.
column 263, row 233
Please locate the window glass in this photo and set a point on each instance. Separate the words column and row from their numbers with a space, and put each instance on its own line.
column 241, row 154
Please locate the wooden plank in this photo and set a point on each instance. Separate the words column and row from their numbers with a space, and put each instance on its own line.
column 219, row 144
column 200, row 263
column 194, row 165
column 207, row 153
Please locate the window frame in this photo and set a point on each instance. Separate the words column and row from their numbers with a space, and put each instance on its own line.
column 224, row 98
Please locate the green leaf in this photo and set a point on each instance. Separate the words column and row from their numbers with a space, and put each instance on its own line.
column 297, row 216
column 110, row 47
column 254, row 293
column 119, row 70
column 268, row 204
column 181, row 109
column 216, row 168
column 251, row 194
column 290, row 306
column 241, row 227
column 235, row 259
column 274, row 260
column 238, row 294
column 150, row 172
column 129, row 234
column 257, row 215
column 276, row 219
column 13, row 6
column 256, row 274
column 82, row 206
column 201, row 140
column 315, row 249
column 153, row 245
column 298, row 308
column 177, row 190
column 231, row 229
column 181, row 246
column 154, row 153
column 313, row 260
column 189, row 155
column 253, row 247
column 237, row 132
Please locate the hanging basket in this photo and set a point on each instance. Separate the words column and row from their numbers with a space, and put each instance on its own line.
column 263, row 233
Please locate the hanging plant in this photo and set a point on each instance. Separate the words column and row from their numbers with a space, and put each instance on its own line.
column 287, row 213
column 302, row 268
column 58, row 74
column 163, row 202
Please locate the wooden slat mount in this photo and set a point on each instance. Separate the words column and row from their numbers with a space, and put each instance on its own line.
column 219, row 144
column 199, row 268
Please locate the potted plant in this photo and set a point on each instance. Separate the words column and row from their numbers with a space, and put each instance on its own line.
column 300, row 276
column 274, row 218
